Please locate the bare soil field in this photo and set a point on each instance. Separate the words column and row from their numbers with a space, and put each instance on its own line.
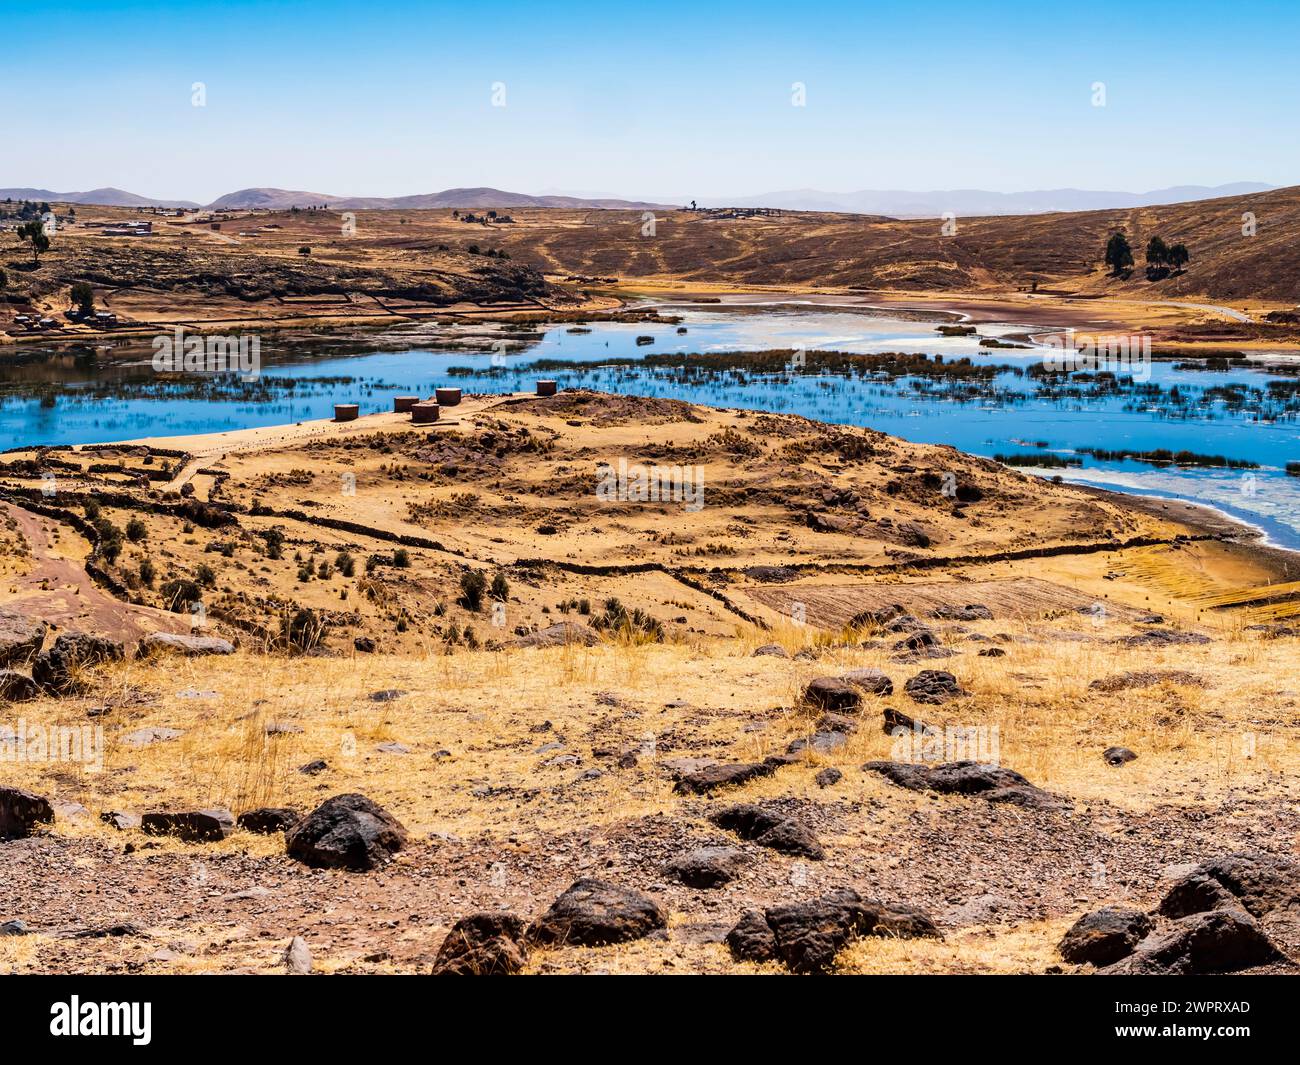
column 871, row 706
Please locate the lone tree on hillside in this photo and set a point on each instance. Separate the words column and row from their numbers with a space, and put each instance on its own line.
column 83, row 295
column 1179, row 256
column 1119, row 256
column 35, row 232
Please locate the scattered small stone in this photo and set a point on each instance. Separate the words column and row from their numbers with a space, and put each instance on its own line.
column 773, row 649
column 992, row 652
column 312, row 768
column 393, row 747
column 828, row 777
column 143, row 737
column 1146, row 678
column 387, row 695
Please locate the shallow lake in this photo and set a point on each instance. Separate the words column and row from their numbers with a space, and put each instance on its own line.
column 1246, row 413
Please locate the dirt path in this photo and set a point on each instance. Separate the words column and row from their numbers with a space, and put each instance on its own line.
column 58, row 589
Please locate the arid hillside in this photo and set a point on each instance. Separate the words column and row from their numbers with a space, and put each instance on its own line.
column 470, row 698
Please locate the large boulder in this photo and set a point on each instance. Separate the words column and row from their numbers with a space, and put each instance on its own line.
column 1266, row 886
column 59, row 669
column 770, row 828
column 346, row 832
column 1220, row 941
column 21, row 812
column 807, row 936
column 483, row 944
column 594, row 913
column 20, row 638
column 752, row 939
column 933, row 686
column 832, row 693
column 991, row 782
column 723, row 775
column 1104, row 936
column 871, row 681
column 193, row 826
column 180, row 644
column 17, row 687
column 706, row 867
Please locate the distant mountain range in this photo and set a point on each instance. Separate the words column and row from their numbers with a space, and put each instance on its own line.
column 101, row 197
column 283, row 199
column 970, row 203
column 965, row 203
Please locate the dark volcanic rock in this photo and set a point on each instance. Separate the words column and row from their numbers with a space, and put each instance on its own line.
column 770, row 829
column 20, row 638
column 933, row 686
column 991, row 782
column 706, row 867
column 593, row 913
column 57, row 670
column 17, row 687
column 1266, row 886
column 346, row 832
column 705, row 780
column 832, row 693
column 1219, row 941
column 193, row 826
column 483, row 944
column 1118, row 755
column 21, row 812
column 896, row 719
column 266, row 820
column 773, row 649
column 752, row 939
column 970, row 612
column 992, row 652
column 1104, row 936
column 177, row 643
column 871, row 681
column 364, row 644
column 828, row 777
column 810, row 934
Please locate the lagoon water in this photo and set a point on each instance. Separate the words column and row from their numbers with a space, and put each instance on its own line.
column 1245, row 413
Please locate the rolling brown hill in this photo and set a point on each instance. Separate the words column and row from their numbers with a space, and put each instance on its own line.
column 874, row 252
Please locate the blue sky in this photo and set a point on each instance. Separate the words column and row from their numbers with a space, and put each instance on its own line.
column 677, row 100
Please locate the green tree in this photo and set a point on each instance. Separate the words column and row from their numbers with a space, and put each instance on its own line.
column 500, row 590
column 1119, row 255
column 34, row 232
column 136, row 530
column 1157, row 252
column 83, row 295
column 1179, row 256
column 472, row 586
